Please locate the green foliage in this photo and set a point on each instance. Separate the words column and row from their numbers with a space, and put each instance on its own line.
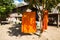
column 2, row 9
column 48, row 3
column 6, row 7
column 32, row 2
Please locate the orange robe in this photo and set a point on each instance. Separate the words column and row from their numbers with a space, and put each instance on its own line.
column 29, row 22
column 45, row 20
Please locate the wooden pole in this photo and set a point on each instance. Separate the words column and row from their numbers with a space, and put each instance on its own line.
column 58, row 21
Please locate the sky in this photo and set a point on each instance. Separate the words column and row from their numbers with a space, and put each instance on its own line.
column 20, row 0
column 16, row 2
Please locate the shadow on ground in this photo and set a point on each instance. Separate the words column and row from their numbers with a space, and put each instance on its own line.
column 15, row 30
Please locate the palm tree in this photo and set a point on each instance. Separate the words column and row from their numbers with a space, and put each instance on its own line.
column 46, row 4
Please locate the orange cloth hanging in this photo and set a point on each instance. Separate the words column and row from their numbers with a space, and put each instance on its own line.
column 45, row 20
column 29, row 22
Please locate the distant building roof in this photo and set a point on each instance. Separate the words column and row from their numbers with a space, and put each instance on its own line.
column 58, row 4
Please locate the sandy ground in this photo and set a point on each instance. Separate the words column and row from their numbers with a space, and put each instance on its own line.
column 12, row 32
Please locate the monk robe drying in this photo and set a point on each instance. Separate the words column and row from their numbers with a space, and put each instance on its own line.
column 45, row 21
column 29, row 22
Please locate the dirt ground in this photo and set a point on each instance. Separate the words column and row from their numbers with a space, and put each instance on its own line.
column 12, row 32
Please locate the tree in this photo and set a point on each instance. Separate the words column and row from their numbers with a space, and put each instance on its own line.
column 6, row 7
column 46, row 4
